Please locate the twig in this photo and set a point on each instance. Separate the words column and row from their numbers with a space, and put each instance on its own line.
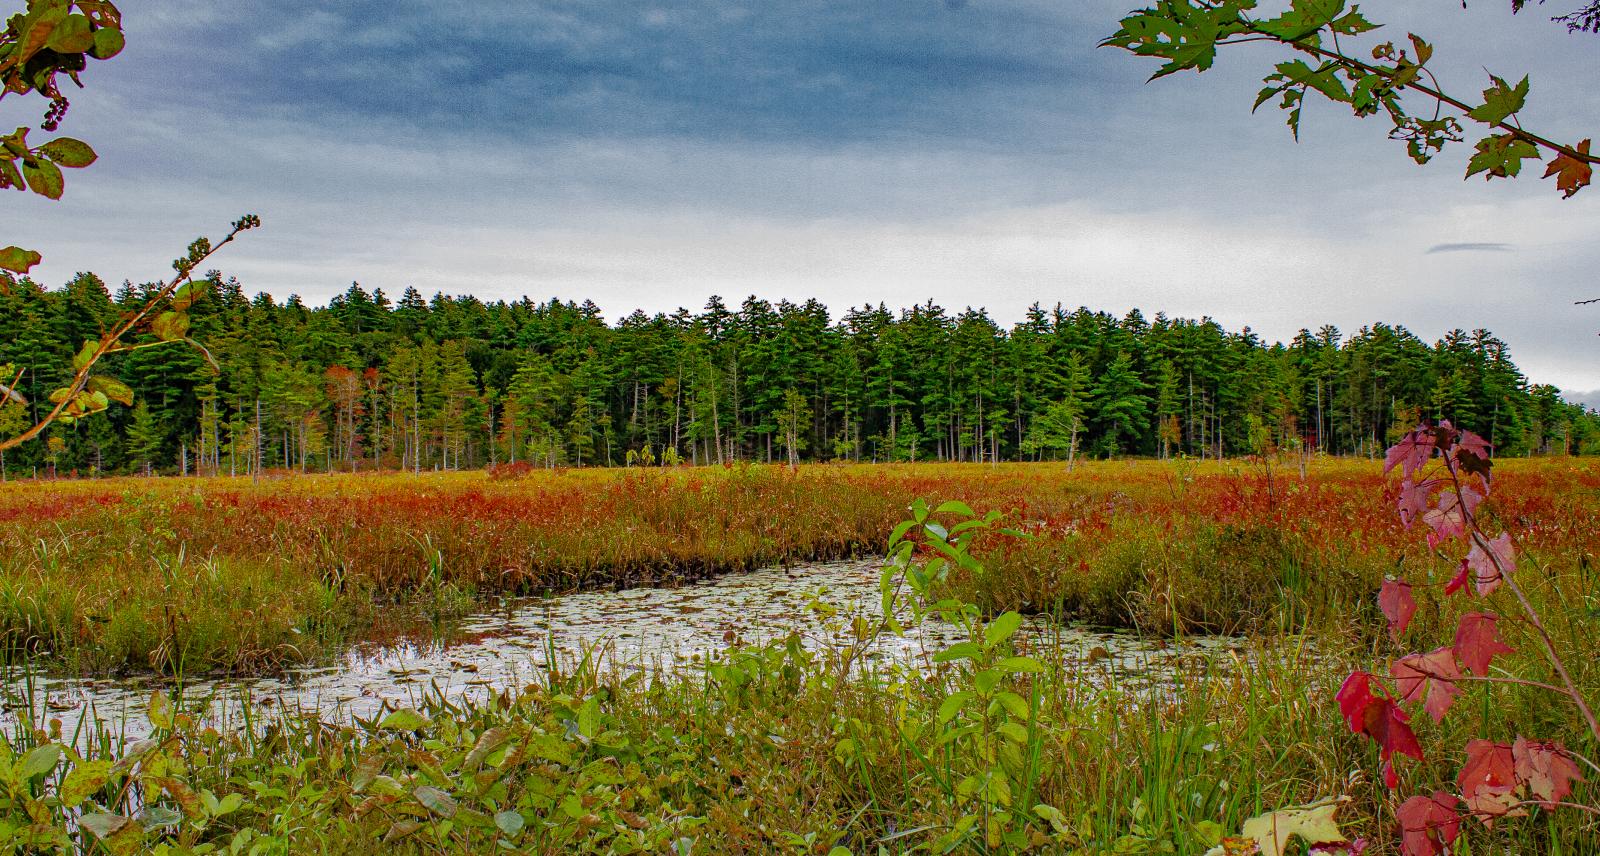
column 110, row 342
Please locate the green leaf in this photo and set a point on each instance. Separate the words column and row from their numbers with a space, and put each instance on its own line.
column 36, row 29
column 68, row 152
column 952, row 705
column 85, row 355
column 1304, row 18
column 113, row 389
column 44, row 178
column 958, row 651
column 1014, row 704
column 40, row 761
column 1020, row 664
column 185, row 295
column 84, row 780
column 170, row 326
column 1001, row 629
column 404, row 719
column 73, row 35
column 16, row 259
column 1500, row 101
column 160, row 710
column 955, row 506
column 1014, row 732
column 435, row 800
column 1501, row 156
column 108, row 42
column 510, row 823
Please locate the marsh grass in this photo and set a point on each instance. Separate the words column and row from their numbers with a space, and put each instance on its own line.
column 217, row 575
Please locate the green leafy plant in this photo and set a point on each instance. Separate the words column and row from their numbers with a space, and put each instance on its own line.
column 1188, row 34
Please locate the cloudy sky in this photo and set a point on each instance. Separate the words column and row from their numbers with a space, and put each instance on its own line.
column 975, row 152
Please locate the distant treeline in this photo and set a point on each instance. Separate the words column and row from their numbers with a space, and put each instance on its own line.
column 454, row 382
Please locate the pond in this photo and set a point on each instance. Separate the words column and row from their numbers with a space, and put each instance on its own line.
column 645, row 629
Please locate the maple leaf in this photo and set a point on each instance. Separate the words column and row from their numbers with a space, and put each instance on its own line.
column 1546, row 768
column 1492, row 565
column 1378, row 717
column 1413, row 501
column 1572, row 174
column 1410, row 453
column 1460, row 580
column 1428, row 825
column 1488, row 781
column 1429, row 676
column 1449, row 519
column 1398, row 606
column 1477, row 641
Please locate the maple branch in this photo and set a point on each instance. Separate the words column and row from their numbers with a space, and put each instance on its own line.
column 1556, row 804
column 1585, row 302
column 1482, row 543
column 1431, row 91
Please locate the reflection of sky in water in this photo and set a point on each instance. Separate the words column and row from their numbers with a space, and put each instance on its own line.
column 638, row 629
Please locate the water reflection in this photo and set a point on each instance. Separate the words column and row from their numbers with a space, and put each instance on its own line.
column 639, row 629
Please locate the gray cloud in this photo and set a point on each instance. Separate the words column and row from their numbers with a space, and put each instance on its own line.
column 650, row 154
column 1588, row 398
column 1469, row 248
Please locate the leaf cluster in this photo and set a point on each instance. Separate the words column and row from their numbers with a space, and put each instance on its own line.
column 1187, row 34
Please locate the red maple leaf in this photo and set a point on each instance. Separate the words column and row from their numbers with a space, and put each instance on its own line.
column 1477, row 641
column 1546, row 768
column 1378, row 717
column 1488, row 780
column 1431, row 675
column 1460, row 580
column 1398, row 605
column 1410, row 453
column 1492, row 565
column 1428, row 825
column 1572, row 174
column 1470, row 442
column 1413, row 501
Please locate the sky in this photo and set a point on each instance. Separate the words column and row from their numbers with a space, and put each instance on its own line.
column 972, row 152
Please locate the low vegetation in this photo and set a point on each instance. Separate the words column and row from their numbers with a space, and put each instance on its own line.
column 1006, row 745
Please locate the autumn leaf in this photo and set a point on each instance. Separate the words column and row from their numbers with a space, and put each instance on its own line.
column 1488, row 781
column 1428, row 825
column 1398, row 606
column 18, row 260
column 1413, row 500
column 1378, row 717
column 1429, row 678
column 1546, row 768
column 1490, row 566
column 1314, row 824
column 1572, row 174
column 1410, row 453
column 1477, row 641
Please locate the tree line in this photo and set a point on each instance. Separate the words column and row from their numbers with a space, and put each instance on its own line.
column 454, row 382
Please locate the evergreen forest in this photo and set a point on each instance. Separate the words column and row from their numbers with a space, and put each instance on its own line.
column 367, row 382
